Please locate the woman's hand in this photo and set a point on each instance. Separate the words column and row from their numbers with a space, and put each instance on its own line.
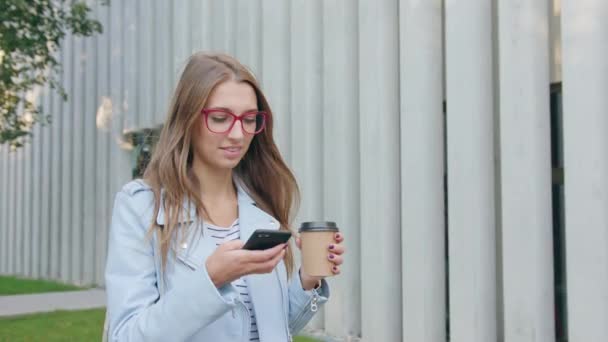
column 335, row 253
column 230, row 262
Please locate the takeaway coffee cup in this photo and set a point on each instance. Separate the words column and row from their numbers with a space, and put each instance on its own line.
column 316, row 238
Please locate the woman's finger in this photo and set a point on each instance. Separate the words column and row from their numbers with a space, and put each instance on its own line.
column 264, row 255
column 334, row 258
column 335, row 270
column 338, row 237
column 267, row 266
column 336, row 248
column 299, row 243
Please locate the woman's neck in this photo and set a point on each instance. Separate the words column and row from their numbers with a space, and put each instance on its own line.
column 215, row 184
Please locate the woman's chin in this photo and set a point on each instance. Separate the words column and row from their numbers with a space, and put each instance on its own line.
column 227, row 164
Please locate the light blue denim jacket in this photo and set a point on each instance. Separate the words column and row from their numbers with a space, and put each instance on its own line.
column 191, row 308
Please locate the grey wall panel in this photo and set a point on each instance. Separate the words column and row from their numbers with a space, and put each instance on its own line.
column 132, row 54
column 28, row 201
column 306, row 110
column 6, row 222
column 117, row 91
column 89, row 223
column 585, row 73
column 103, row 141
column 118, row 163
column 77, row 166
column 25, row 209
column 206, row 18
column 379, row 149
column 276, row 51
column 55, row 153
column 24, row 233
column 422, row 171
column 223, row 26
column 527, row 230
column 20, row 233
column 45, row 222
column 18, row 212
column 162, row 47
column 248, row 23
column 15, row 213
column 471, row 182
column 340, row 123
column 21, row 197
column 4, row 198
column 145, row 67
column 181, row 37
column 11, row 214
column 36, row 194
column 195, row 15
column 67, row 143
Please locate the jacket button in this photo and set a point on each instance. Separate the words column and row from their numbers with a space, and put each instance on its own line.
column 184, row 245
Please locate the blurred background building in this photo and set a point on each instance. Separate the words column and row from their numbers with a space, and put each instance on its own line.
column 460, row 145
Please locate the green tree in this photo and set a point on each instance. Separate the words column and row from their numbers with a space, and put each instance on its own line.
column 31, row 32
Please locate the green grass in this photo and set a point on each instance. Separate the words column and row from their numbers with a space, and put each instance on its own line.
column 14, row 285
column 304, row 339
column 82, row 325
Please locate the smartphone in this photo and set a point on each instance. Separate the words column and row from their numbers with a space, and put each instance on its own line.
column 266, row 238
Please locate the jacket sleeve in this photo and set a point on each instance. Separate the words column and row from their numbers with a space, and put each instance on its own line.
column 300, row 312
column 136, row 310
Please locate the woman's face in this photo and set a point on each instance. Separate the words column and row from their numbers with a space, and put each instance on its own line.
column 224, row 150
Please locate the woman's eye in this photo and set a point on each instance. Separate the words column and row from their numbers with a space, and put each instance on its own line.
column 249, row 120
column 219, row 118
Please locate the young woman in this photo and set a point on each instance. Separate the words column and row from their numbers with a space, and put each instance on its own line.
column 176, row 270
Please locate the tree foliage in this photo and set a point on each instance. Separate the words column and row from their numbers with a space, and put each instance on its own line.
column 31, row 32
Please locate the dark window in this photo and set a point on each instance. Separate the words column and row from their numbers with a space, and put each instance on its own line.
column 559, row 251
column 143, row 142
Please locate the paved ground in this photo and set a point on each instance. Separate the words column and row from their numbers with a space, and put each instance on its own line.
column 45, row 302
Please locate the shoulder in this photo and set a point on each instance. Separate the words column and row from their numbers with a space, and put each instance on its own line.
column 137, row 197
column 135, row 186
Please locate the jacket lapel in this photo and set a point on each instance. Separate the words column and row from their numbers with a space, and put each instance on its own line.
column 263, row 288
column 251, row 217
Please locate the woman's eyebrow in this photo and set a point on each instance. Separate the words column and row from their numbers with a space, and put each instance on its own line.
column 222, row 108
column 230, row 110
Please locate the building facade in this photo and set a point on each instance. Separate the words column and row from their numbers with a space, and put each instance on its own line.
column 460, row 146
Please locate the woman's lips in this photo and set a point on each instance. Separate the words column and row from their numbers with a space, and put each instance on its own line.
column 232, row 151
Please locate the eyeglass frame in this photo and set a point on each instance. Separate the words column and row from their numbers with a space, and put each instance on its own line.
column 206, row 111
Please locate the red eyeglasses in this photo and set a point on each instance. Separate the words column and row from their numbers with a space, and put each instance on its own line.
column 222, row 120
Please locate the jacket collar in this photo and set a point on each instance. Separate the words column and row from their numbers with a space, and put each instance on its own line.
column 188, row 214
column 251, row 217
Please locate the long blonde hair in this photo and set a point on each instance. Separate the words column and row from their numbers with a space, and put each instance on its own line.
column 262, row 170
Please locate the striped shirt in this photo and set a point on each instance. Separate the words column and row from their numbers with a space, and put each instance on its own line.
column 220, row 235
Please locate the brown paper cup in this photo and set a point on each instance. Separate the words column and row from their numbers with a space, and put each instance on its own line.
column 316, row 237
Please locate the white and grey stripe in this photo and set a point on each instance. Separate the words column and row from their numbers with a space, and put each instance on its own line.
column 220, row 235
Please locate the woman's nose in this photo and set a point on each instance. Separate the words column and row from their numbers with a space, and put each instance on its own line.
column 236, row 132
